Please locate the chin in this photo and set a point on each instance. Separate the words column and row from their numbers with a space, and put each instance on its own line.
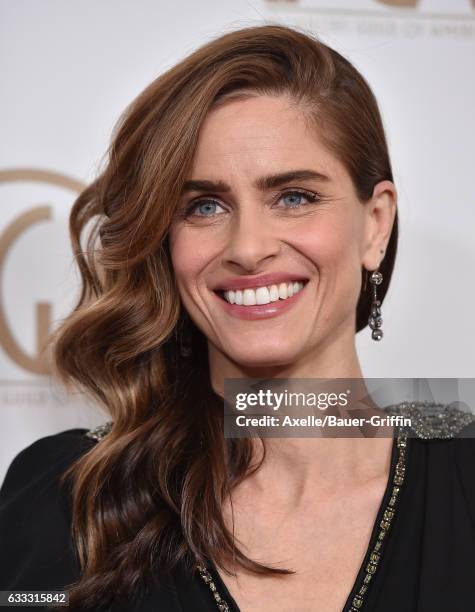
column 263, row 356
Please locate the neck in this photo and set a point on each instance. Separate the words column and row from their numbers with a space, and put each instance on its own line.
column 298, row 469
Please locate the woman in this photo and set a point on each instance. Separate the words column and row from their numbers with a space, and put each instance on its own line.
column 248, row 194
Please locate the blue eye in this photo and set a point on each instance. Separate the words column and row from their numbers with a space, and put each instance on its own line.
column 295, row 199
column 204, row 208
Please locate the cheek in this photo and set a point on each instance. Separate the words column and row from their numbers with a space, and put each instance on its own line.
column 189, row 257
column 331, row 245
column 329, row 242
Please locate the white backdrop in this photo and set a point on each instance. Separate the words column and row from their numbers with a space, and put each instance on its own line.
column 68, row 69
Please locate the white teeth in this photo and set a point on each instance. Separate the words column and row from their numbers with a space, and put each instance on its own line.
column 274, row 293
column 263, row 295
column 249, row 297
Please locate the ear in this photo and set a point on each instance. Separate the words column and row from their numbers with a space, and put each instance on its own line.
column 380, row 212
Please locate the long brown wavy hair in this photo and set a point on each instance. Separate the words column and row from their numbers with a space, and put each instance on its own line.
column 149, row 496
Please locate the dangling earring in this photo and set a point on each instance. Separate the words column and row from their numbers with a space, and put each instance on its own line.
column 375, row 320
column 184, row 338
column 185, row 346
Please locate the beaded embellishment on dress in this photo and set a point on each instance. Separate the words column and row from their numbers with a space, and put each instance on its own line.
column 432, row 420
column 99, row 432
column 208, row 579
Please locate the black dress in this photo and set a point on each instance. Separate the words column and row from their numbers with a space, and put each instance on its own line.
column 420, row 557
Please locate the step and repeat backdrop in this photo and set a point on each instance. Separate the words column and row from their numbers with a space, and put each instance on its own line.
column 70, row 68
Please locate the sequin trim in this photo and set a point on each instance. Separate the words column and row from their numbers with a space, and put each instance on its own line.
column 99, row 432
column 384, row 525
column 208, row 579
column 431, row 420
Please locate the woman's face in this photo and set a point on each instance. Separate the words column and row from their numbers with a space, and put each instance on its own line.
column 269, row 237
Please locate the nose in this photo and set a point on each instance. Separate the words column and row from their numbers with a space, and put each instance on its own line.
column 251, row 242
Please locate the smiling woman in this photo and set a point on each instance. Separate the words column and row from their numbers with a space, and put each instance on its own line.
column 248, row 194
column 258, row 219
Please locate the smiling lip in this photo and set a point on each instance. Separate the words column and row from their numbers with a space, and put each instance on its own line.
column 251, row 282
column 260, row 311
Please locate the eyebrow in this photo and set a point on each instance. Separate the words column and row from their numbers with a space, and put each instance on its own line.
column 263, row 183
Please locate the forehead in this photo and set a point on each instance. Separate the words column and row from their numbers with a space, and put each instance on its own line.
column 261, row 134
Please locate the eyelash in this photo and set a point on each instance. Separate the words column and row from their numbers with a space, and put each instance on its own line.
column 311, row 196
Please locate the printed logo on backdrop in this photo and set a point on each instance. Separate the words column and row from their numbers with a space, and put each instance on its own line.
column 405, row 19
column 36, row 273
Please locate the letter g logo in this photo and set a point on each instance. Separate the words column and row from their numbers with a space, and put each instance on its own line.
column 37, row 362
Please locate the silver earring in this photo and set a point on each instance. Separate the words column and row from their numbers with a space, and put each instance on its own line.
column 375, row 320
